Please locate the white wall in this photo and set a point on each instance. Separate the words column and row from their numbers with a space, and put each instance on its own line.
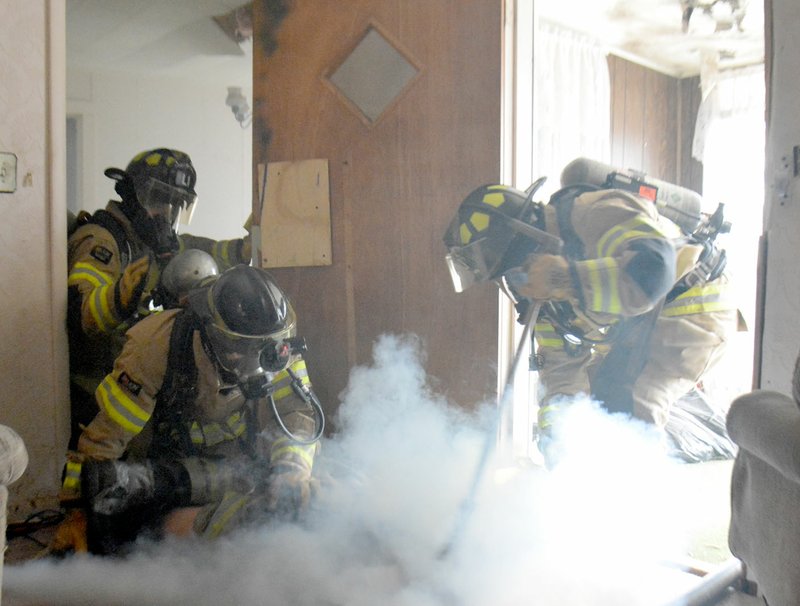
column 782, row 214
column 34, row 397
column 123, row 114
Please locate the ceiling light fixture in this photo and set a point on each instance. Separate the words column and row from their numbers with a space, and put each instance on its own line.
column 725, row 13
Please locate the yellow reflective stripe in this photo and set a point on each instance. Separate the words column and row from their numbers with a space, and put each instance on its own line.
column 603, row 277
column 304, row 451
column 196, row 433
column 101, row 311
column 282, row 382
column 120, row 407
column 86, row 272
column 230, row 505
column 547, row 336
column 236, row 424
column 700, row 299
column 72, row 476
column 221, row 250
column 697, row 308
column 638, row 227
column 299, row 368
column 542, row 415
column 212, row 434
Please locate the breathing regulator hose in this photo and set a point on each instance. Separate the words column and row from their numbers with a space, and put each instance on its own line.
column 310, row 398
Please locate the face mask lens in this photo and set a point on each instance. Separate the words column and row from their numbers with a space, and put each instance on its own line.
column 174, row 204
column 237, row 354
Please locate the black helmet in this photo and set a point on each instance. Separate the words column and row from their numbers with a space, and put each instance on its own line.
column 164, row 181
column 487, row 236
column 247, row 320
column 157, row 190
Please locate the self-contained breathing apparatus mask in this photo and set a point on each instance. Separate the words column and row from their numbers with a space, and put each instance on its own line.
column 248, row 328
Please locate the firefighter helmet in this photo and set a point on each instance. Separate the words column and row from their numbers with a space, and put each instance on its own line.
column 185, row 271
column 164, row 181
column 487, row 237
column 157, row 191
column 247, row 320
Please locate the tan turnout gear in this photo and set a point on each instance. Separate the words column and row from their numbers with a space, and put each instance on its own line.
column 633, row 311
column 100, row 264
column 239, row 449
column 688, row 338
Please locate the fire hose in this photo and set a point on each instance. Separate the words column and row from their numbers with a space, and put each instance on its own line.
column 468, row 503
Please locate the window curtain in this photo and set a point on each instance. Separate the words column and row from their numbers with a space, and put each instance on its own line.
column 571, row 102
column 730, row 142
column 571, row 117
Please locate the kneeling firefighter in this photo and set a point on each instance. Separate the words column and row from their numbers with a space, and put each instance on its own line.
column 209, row 412
column 625, row 273
column 115, row 256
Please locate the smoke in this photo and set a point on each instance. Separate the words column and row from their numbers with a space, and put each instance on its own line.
column 393, row 481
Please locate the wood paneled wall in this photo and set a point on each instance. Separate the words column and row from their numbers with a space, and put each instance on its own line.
column 652, row 123
column 394, row 183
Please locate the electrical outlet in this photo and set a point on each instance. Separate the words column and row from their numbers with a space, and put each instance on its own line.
column 8, row 173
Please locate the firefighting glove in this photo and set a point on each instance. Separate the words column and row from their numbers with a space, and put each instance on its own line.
column 548, row 279
column 131, row 283
column 70, row 534
column 289, row 491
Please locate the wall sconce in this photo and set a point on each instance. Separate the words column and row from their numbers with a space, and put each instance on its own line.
column 238, row 104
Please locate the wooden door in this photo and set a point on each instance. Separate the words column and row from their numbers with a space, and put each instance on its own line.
column 397, row 174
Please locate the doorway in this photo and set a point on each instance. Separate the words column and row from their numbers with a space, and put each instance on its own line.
column 694, row 129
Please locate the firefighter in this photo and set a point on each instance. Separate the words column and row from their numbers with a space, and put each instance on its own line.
column 208, row 415
column 115, row 257
column 629, row 313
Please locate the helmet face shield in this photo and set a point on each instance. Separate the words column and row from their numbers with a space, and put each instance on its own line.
column 166, row 203
column 479, row 259
column 469, row 264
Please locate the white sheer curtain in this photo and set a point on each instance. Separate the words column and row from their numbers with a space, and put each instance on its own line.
column 569, row 112
column 730, row 142
column 571, row 101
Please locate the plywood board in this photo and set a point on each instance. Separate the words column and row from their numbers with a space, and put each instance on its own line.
column 296, row 217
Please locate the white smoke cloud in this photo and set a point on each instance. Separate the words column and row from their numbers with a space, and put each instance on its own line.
column 394, row 480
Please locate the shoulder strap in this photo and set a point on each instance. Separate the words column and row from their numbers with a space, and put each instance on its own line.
column 613, row 381
column 179, row 388
column 106, row 220
column 564, row 200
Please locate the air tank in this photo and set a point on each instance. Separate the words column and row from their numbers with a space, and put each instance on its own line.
column 679, row 204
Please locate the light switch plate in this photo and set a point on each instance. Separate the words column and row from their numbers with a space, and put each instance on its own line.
column 8, row 173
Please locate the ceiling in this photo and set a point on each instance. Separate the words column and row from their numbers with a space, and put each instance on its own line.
column 170, row 38
column 650, row 32
column 180, row 38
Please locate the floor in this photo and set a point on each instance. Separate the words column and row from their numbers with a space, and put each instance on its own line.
column 706, row 486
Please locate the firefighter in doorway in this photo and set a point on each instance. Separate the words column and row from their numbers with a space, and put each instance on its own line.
column 115, row 257
column 208, row 416
column 634, row 308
